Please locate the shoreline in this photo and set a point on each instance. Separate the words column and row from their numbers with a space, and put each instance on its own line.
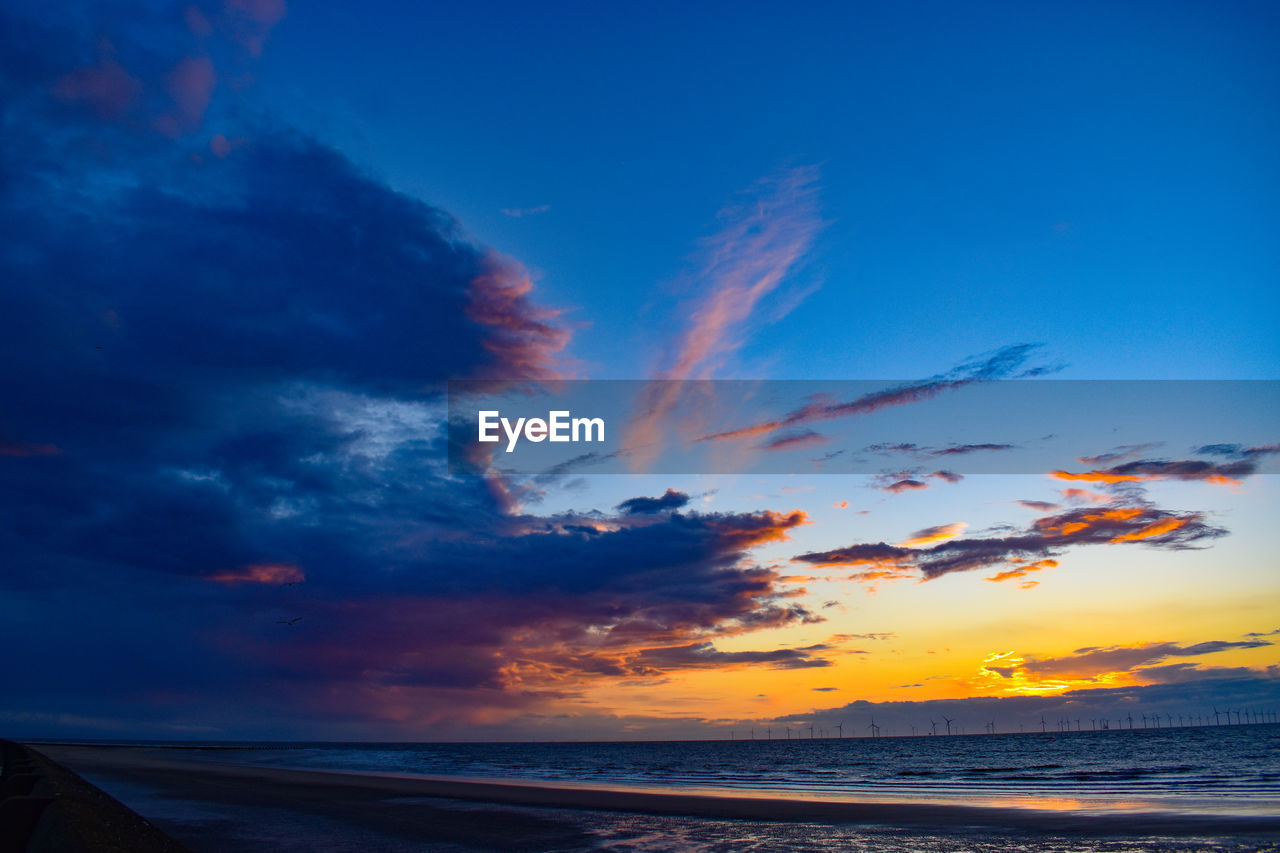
column 323, row 790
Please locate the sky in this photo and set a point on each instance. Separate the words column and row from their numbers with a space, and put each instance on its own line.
column 876, row 276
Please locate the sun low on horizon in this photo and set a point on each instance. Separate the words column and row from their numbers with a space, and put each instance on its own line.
column 593, row 377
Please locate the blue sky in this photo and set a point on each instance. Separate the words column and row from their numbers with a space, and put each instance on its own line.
column 1096, row 176
column 245, row 245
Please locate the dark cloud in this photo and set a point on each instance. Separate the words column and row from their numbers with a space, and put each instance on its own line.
column 1245, row 463
column 963, row 449
column 1237, row 451
column 1091, row 662
column 671, row 499
column 801, row 438
column 1124, row 451
column 705, row 655
column 223, row 408
column 1046, row 537
column 1040, row 506
column 911, row 479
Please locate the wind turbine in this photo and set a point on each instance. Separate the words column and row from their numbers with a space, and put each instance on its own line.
column 934, row 725
column 948, row 722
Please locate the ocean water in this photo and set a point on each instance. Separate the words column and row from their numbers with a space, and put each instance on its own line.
column 1211, row 769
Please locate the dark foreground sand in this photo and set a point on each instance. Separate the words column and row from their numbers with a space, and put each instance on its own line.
column 211, row 805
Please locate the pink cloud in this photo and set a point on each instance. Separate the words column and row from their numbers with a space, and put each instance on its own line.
column 764, row 239
column 106, row 89
column 523, row 337
column 250, row 21
column 27, row 448
column 190, row 85
column 268, row 574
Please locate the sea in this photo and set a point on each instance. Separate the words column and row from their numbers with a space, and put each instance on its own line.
column 1217, row 770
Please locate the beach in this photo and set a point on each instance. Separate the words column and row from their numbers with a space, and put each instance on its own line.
column 210, row 800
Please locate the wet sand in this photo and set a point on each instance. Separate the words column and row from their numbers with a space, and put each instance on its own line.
column 394, row 813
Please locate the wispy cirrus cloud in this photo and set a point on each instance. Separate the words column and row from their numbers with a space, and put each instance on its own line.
column 521, row 212
column 948, row 450
column 802, row 438
column 765, row 237
column 1118, row 454
column 1004, row 363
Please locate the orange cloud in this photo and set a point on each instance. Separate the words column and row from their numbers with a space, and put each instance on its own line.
column 1228, row 473
column 268, row 574
column 760, row 528
column 1086, row 521
column 1084, row 496
column 934, row 534
column 1159, row 528
column 1044, row 539
column 1098, row 477
column 1023, row 571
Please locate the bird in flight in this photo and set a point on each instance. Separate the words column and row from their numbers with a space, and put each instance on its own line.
column 289, row 621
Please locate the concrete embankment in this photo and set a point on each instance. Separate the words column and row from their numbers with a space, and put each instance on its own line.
column 45, row 808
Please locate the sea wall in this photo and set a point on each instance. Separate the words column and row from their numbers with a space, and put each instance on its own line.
column 45, row 808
